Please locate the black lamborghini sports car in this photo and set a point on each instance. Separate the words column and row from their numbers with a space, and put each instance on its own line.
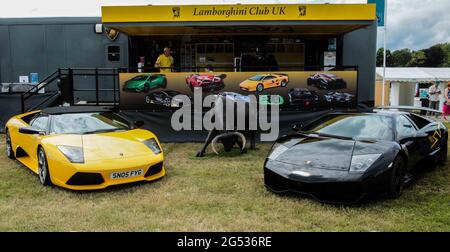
column 163, row 98
column 344, row 158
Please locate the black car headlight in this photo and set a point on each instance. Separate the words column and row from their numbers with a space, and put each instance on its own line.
column 153, row 145
column 360, row 163
column 276, row 151
column 73, row 153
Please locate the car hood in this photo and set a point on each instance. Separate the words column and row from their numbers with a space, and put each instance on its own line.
column 318, row 153
column 107, row 146
column 247, row 84
column 134, row 84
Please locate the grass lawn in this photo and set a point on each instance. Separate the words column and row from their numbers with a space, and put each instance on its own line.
column 210, row 194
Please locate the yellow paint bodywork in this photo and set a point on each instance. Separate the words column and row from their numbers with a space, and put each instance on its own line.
column 104, row 153
column 250, row 85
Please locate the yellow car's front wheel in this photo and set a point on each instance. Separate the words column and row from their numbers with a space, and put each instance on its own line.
column 9, row 149
column 260, row 87
column 43, row 171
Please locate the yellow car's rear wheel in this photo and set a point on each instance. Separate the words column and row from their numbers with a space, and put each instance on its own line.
column 9, row 149
column 43, row 172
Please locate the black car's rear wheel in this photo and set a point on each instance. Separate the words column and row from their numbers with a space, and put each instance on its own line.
column 9, row 149
column 43, row 171
column 397, row 178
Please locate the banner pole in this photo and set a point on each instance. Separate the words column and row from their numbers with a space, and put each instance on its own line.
column 384, row 53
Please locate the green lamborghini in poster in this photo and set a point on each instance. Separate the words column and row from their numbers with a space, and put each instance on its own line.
column 144, row 83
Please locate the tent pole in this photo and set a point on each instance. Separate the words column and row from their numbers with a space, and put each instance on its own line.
column 384, row 54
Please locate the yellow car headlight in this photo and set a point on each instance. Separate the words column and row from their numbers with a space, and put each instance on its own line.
column 73, row 153
column 153, row 145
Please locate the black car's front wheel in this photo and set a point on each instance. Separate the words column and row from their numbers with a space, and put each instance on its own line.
column 43, row 171
column 9, row 149
column 397, row 178
column 443, row 152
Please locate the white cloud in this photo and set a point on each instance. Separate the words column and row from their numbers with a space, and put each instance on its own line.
column 413, row 24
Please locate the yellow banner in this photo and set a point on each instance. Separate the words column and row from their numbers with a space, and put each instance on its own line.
column 272, row 12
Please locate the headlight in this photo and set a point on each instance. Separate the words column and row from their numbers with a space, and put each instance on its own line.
column 74, row 154
column 360, row 163
column 277, row 150
column 153, row 145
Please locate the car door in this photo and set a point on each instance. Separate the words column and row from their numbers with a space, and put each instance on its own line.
column 269, row 81
column 40, row 122
column 152, row 81
column 416, row 142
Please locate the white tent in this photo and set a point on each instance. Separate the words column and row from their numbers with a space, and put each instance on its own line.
column 402, row 82
column 414, row 74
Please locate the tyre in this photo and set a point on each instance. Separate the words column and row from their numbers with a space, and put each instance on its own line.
column 43, row 171
column 260, row 87
column 9, row 149
column 396, row 180
column 283, row 83
column 164, row 83
column 443, row 153
column 146, row 88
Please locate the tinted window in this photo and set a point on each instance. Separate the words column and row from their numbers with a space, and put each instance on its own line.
column 355, row 126
column 269, row 78
column 404, row 127
column 418, row 120
column 88, row 123
column 40, row 123
column 257, row 78
column 140, row 78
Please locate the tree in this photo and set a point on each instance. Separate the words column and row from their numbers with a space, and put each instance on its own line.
column 446, row 48
column 401, row 58
column 418, row 59
column 380, row 58
column 434, row 56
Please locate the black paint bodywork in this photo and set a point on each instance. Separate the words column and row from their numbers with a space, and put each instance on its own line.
column 303, row 98
column 326, row 160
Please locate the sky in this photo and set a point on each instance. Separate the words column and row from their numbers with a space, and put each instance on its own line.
column 414, row 24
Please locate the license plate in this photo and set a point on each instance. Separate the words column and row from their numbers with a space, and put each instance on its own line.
column 126, row 174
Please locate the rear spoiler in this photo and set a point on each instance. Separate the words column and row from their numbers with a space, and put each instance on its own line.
column 408, row 108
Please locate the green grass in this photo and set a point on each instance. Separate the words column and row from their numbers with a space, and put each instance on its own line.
column 211, row 194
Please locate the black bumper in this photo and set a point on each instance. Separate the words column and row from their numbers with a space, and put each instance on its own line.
column 340, row 189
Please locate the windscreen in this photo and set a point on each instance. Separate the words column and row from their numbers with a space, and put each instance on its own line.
column 377, row 127
column 84, row 123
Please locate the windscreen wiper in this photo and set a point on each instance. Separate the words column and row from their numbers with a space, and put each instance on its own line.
column 305, row 133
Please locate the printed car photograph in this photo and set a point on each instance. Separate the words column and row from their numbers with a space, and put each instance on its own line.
column 83, row 148
column 326, row 81
column 144, row 83
column 339, row 97
column 206, row 81
column 303, row 98
column 260, row 82
column 345, row 157
column 163, row 98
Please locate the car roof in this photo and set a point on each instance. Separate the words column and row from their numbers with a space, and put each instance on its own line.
column 74, row 109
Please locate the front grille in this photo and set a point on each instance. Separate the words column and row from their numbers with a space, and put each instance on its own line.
column 84, row 178
column 154, row 169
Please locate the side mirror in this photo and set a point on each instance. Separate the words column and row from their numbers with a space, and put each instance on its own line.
column 31, row 131
column 139, row 123
column 297, row 127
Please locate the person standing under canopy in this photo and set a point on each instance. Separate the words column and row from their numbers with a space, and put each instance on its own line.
column 165, row 61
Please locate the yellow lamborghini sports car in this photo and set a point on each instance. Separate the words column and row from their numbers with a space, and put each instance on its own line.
column 84, row 148
column 263, row 81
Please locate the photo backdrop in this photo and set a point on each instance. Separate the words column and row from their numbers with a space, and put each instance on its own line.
column 299, row 90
